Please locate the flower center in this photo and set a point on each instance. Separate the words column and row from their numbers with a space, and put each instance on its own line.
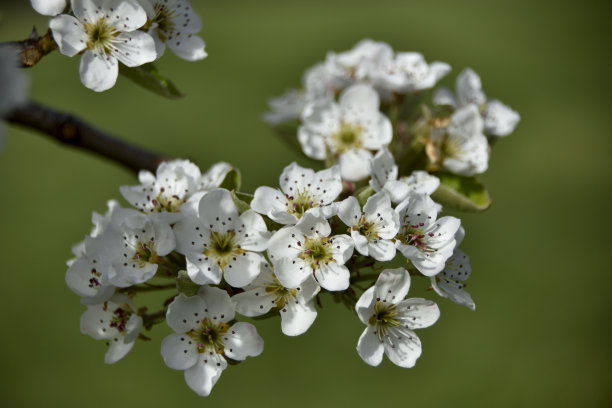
column 317, row 251
column 300, row 203
column 367, row 229
column 415, row 236
column 209, row 336
column 168, row 203
column 163, row 19
column 144, row 253
column 223, row 247
column 282, row 294
column 100, row 35
column 384, row 317
column 348, row 137
column 121, row 315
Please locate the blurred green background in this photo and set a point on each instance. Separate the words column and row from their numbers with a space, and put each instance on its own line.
column 540, row 335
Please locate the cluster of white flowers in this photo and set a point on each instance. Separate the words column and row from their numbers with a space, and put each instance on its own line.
column 366, row 223
column 133, row 32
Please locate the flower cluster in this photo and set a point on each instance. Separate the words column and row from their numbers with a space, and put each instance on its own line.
column 131, row 32
column 359, row 229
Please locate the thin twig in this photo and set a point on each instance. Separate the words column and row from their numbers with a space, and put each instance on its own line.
column 68, row 129
column 33, row 49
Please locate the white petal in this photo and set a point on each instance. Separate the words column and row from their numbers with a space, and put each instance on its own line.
column 185, row 313
column 444, row 96
column 84, row 10
column 402, row 346
column 98, row 72
column 349, row 211
column 361, row 243
column 360, row 97
column 417, row 313
column 333, row 277
column 179, row 351
column 135, row 48
column 271, row 202
column 313, row 143
column 392, row 285
column 69, row 34
column 297, row 317
column 242, row 269
column 364, row 305
column 254, row 302
column 341, row 248
column 117, row 349
column 369, row 347
column 218, row 303
column 203, row 270
column 469, row 88
column 382, row 250
column 216, row 208
column 291, row 272
column 242, row 341
column 202, row 376
column 188, row 47
column 500, row 120
column 255, row 235
column 383, row 169
column 125, row 15
column 48, row 7
column 311, row 225
column 355, row 164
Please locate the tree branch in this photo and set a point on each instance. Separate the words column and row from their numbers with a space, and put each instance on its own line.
column 68, row 129
column 31, row 50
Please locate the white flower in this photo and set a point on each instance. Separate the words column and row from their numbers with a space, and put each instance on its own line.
column 107, row 31
column 384, row 177
column 391, row 320
column 286, row 107
column 144, row 241
column 350, row 130
column 175, row 181
column 49, row 7
column 373, row 228
column 357, row 64
column 448, row 283
column 116, row 321
column 295, row 305
column 174, row 22
column 499, row 119
column 425, row 241
column 462, row 146
column 221, row 242
column 302, row 191
column 13, row 82
column 305, row 249
column 203, row 338
column 408, row 72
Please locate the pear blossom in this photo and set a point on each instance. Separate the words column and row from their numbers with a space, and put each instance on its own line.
column 349, row 130
column 49, row 7
column 408, row 72
column 144, row 241
column 499, row 119
column 302, row 191
column 449, row 282
column 461, row 147
column 174, row 23
column 13, row 83
column 117, row 322
column 297, row 252
column 426, row 241
column 203, row 338
column 167, row 190
column 391, row 319
column 372, row 229
column 105, row 32
column 220, row 242
column 295, row 305
column 384, row 178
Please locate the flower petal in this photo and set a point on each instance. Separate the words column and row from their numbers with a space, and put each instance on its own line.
column 392, row 285
column 297, row 317
column 179, row 351
column 242, row 341
column 219, row 307
column 135, row 48
column 333, row 277
column 242, row 269
column 417, row 313
column 185, row 313
column 69, row 34
column 402, row 346
column 188, row 47
column 369, row 347
column 203, row 375
column 98, row 72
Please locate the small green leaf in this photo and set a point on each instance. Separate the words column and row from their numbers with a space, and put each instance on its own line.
column 185, row 285
column 232, row 180
column 461, row 193
column 241, row 201
column 149, row 78
column 363, row 194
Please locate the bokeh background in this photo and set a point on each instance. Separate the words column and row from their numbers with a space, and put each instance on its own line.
column 540, row 335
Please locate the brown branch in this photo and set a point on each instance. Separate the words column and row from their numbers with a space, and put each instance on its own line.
column 68, row 129
column 33, row 49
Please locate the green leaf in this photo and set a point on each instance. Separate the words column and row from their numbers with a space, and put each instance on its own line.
column 241, row 201
column 461, row 193
column 363, row 194
column 149, row 78
column 232, row 180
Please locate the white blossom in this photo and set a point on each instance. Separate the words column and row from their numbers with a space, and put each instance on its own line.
column 299, row 251
column 462, row 146
column 13, row 83
column 408, row 72
column 450, row 282
column 49, row 7
column 349, row 130
column 372, row 229
column 117, row 322
column 220, row 242
column 499, row 119
column 105, row 32
column 302, row 191
column 391, row 319
column 175, row 23
column 203, row 338
column 295, row 305
column 384, row 178
column 427, row 242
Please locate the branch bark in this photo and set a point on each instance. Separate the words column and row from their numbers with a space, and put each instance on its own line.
column 68, row 129
column 31, row 50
